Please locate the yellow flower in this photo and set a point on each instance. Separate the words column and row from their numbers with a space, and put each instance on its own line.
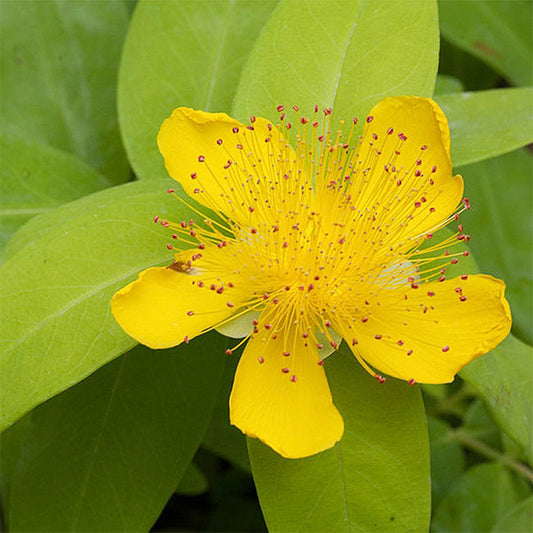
column 321, row 236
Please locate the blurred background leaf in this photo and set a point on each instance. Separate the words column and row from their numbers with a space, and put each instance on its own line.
column 58, row 77
column 107, row 454
column 360, row 484
column 185, row 53
column 36, row 178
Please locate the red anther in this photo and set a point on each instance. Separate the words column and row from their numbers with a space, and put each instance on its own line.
column 315, row 124
column 219, row 141
column 464, row 277
column 431, row 209
column 280, row 108
column 186, row 339
column 268, row 139
column 402, row 137
column 230, row 284
column 442, row 278
column 454, row 261
column 418, row 173
column 220, row 290
column 201, row 158
column 255, row 322
column 310, row 287
column 390, row 131
column 411, row 382
column 354, row 341
column 235, row 129
column 419, row 162
column 320, row 363
column 293, row 378
column 417, row 204
column 251, row 209
column 466, row 253
column 447, row 253
column 342, row 240
column 458, row 289
column 261, row 359
column 434, row 169
column 354, row 120
column 296, row 108
column 333, row 344
column 460, row 228
column 190, row 313
column 315, row 108
column 431, row 293
column 282, row 117
column 443, row 270
column 165, row 223
column 287, row 288
column 252, row 119
column 409, row 352
column 183, row 224
column 156, row 219
column 378, row 336
column 424, row 147
column 467, row 238
column 229, row 352
column 410, row 279
column 268, row 326
column 432, row 181
column 304, row 120
column 174, row 235
column 229, row 304
column 170, row 191
column 369, row 119
column 423, row 199
column 227, row 165
column 275, row 301
column 446, row 348
column 253, row 230
column 327, row 111
column 462, row 298
column 192, row 233
column 201, row 246
column 213, row 287
column 327, row 323
column 400, row 343
column 170, row 247
column 429, row 236
column 251, row 128
column 200, row 284
column 196, row 191
column 305, row 334
column 286, row 354
column 461, row 237
column 275, row 228
column 300, row 287
column 374, row 136
column 239, row 146
column 364, row 319
column 320, row 346
column 321, row 138
column 285, row 370
column 399, row 182
column 285, row 244
column 196, row 256
column 414, row 285
column 265, row 296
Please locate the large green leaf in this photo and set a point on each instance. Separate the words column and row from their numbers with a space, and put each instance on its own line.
column 505, row 379
column 478, row 500
column 55, row 289
column 499, row 33
column 501, row 225
column 345, row 54
column 107, row 454
column 185, row 53
column 58, row 77
column 36, row 178
column 485, row 124
column 375, row 479
column 519, row 518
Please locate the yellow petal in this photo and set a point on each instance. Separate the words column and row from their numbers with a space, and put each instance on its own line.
column 402, row 174
column 284, row 400
column 428, row 334
column 167, row 306
column 218, row 160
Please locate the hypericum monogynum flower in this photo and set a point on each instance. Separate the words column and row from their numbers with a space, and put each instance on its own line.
column 311, row 236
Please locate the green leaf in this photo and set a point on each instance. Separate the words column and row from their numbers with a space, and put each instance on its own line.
column 478, row 500
column 504, row 377
column 36, row 178
column 184, row 53
column 55, row 290
column 501, row 225
column 447, row 84
column 478, row 424
column 193, row 481
column 107, row 454
column 519, row 518
column 485, row 124
column 375, row 479
column 222, row 438
column 447, row 459
column 499, row 33
column 344, row 54
column 58, row 77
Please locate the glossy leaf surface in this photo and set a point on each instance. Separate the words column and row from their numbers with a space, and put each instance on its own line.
column 184, row 53
column 115, row 445
column 58, row 77
column 57, row 325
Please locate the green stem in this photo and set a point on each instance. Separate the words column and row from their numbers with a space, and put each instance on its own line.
column 483, row 449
